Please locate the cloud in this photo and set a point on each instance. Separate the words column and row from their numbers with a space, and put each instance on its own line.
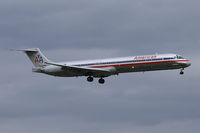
column 136, row 25
column 135, row 101
column 75, row 30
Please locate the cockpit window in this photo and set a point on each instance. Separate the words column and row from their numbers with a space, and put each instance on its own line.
column 179, row 57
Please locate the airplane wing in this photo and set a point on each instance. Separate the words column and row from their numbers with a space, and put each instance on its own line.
column 96, row 72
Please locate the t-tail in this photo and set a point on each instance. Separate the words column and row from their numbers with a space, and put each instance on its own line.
column 36, row 56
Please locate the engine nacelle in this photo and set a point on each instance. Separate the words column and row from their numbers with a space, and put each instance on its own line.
column 52, row 69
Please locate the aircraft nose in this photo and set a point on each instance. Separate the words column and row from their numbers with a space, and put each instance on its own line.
column 185, row 64
column 188, row 64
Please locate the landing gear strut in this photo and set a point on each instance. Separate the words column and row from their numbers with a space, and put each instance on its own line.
column 182, row 71
column 101, row 81
column 90, row 79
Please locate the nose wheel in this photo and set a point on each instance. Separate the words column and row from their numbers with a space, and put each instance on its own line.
column 182, row 71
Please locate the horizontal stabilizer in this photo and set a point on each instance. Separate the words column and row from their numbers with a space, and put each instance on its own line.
column 26, row 50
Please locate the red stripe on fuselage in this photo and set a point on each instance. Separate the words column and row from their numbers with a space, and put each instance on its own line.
column 130, row 64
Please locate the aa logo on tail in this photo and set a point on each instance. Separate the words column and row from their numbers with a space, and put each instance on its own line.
column 38, row 59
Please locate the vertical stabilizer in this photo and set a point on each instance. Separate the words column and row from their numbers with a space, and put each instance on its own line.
column 36, row 56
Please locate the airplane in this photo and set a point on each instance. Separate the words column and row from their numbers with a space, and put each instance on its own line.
column 102, row 68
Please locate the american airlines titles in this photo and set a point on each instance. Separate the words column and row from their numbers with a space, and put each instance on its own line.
column 144, row 57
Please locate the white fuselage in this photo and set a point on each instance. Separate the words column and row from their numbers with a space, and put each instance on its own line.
column 121, row 65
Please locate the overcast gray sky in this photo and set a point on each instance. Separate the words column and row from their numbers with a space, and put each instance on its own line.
column 66, row 30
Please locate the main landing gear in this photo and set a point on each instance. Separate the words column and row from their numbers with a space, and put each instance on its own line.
column 91, row 79
column 101, row 81
column 182, row 71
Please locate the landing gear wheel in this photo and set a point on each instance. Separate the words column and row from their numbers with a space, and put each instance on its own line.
column 182, row 72
column 101, row 81
column 90, row 79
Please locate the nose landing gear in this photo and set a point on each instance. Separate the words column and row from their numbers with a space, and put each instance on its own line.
column 182, row 71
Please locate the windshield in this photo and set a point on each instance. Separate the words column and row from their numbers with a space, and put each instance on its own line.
column 179, row 57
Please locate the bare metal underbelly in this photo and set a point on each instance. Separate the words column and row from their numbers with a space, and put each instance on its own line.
column 65, row 74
